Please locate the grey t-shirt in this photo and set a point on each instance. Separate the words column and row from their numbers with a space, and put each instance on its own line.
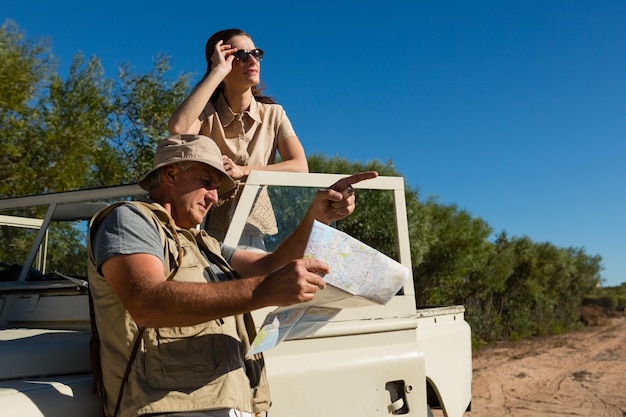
column 125, row 230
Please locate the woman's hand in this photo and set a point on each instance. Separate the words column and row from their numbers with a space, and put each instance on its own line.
column 222, row 57
column 235, row 171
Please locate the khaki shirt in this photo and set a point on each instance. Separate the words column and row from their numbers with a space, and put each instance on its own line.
column 248, row 138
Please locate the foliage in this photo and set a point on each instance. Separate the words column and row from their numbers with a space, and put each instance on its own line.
column 64, row 254
column 458, row 248
column 610, row 299
column 89, row 130
column 294, row 203
column 139, row 112
column 545, row 288
column 83, row 132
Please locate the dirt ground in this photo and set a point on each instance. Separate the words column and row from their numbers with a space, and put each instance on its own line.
column 582, row 373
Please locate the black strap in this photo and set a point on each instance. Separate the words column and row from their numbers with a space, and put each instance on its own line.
column 94, row 353
column 131, row 359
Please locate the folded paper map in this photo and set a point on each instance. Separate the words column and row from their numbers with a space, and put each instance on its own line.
column 359, row 276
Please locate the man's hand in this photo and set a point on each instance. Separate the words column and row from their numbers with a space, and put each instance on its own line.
column 333, row 203
column 337, row 201
column 294, row 283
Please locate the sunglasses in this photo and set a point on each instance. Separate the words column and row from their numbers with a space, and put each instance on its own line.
column 243, row 56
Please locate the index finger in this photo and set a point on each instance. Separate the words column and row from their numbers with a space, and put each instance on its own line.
column 346, row 182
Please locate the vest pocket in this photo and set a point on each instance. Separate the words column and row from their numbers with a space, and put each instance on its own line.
column 189, row 357
column 188, row 261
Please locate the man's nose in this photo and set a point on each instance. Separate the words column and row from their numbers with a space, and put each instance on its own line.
column 212, row 195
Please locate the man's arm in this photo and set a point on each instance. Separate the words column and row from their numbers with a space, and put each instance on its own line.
column 152, row 301
column 277, row 279
column 333, row 203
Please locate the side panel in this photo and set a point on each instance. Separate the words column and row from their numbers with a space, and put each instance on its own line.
column 347, row 376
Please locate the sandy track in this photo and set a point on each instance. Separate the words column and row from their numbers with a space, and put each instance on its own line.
column 582, row 373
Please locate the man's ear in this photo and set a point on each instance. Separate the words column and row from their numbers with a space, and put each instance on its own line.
column 169, row 174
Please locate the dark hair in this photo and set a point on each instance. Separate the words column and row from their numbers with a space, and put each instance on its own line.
column 225, row 35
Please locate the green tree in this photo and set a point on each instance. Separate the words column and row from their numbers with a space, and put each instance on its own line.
column 458, row 249
column 485, row 288
column 49, row 127
column 81, row 132
column 85, row 131
column 141, row 107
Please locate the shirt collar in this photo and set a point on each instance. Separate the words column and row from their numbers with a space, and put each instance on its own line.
column 227, row 116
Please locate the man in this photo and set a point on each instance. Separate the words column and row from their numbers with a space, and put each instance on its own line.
column 172, row 304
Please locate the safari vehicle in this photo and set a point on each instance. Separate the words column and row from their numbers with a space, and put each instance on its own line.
column 381, row 360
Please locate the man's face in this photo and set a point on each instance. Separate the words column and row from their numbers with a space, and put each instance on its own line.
column 193, row 193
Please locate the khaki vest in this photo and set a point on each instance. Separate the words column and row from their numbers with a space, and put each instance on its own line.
column 176, row 368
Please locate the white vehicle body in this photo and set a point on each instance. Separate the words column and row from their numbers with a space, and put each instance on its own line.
column 393, row 359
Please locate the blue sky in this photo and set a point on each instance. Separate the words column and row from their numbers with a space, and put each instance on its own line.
column 513, row 110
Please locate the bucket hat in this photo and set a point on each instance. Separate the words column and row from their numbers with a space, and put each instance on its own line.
column 190, row 148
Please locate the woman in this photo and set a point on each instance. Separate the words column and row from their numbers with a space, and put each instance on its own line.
column 227, row 106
